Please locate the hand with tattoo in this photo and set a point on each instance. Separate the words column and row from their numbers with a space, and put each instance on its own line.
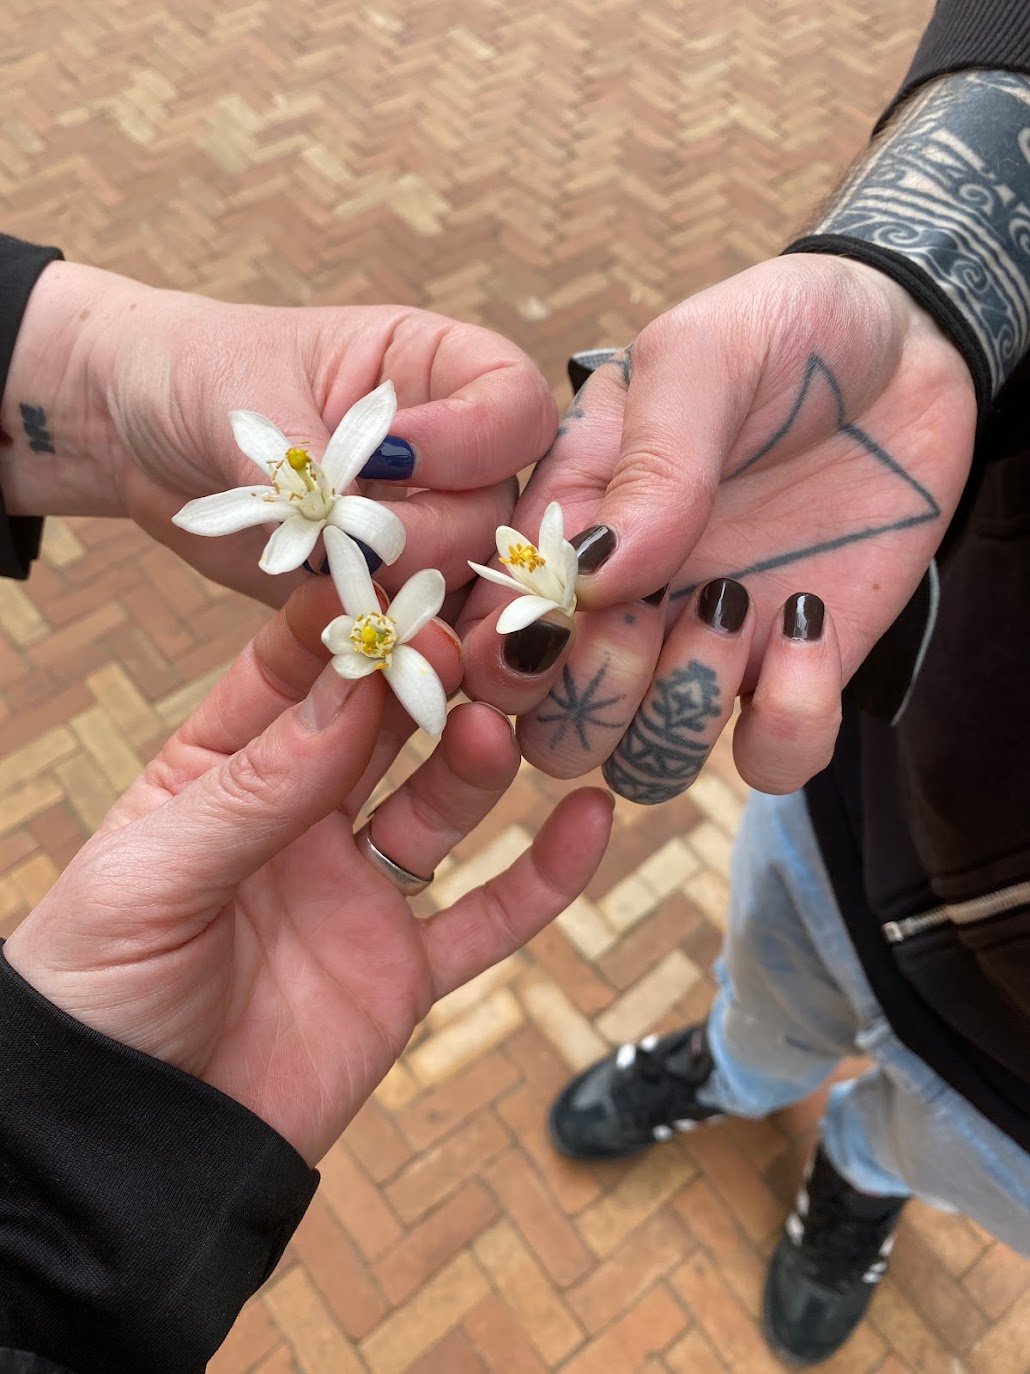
column 118, row 396
column 763, row 479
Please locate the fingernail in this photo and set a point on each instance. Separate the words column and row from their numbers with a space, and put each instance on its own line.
column 393, row 461
column 371, row 558
column 498, row 712
column 594, row 546
column 723, row 605
column 656, row 598
column 325, row 700
column 581, row 365
column 534, row 649
column 803, row 617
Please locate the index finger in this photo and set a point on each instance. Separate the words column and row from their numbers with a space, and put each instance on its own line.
column 574, row 473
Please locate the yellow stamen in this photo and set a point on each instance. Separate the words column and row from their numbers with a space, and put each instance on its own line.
column 300, row 460
column 374, row 636
column 524, row 556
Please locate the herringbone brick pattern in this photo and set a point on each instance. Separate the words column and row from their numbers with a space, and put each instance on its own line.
column 561, row 176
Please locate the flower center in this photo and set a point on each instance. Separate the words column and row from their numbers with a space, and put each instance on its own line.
column 524, row 556
column 299, row 459
column 374, row 636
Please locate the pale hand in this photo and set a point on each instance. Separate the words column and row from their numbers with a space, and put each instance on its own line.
column 222, row 919
column 136, row 385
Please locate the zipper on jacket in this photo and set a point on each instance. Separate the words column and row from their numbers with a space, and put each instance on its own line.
column 896, row 931
column 960, row 913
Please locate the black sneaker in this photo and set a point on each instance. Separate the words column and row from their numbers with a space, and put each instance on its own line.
column 631, row 1099
column 832, row 1254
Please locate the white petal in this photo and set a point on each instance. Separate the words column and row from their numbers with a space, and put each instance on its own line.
column 336, row 635
column 552, row 534
column 358, row 435
column 501, row 579
column 290, row 544
column 229, row 511
column 506, row 536
column 523, row 612
column 354, row 665
column 417, row 602
column 350, row 574
column 570, row 566
column 372, row 523
column 262, row 442
column 417, row 688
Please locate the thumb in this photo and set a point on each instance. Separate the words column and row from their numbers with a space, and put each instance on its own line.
column 243, row 812
column 683, row 410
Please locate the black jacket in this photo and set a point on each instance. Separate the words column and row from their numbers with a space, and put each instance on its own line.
column 139, row 1208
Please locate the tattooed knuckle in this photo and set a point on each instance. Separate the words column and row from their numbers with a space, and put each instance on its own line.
column 670, row 737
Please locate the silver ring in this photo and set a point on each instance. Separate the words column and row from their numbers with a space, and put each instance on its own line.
column 408, row 884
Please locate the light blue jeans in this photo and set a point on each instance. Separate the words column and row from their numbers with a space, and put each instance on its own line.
column 793, row 1001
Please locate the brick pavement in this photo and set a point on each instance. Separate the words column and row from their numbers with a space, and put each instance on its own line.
column 561, row 176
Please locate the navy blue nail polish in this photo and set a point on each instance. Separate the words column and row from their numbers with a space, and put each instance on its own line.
column 371, row 558
column 393, row 461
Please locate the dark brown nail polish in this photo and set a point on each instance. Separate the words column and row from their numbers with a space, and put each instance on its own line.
column 723, row 605
column 803, row 617
column 656, row 598
column 594, row 546
column 534, row 649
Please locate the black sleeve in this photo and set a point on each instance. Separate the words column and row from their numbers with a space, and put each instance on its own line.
column 20, row 266
column 968, row 33
column 139, row 1207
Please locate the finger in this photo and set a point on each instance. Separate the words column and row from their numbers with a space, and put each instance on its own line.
column 274, row 671
column 439, row 645
column 575, row 474
column 689, row 700
column 685, row 404
column 588, row 707
column 489, row 415
column 446, row 798
column 445, row 530
column 496, row 919
column 473, row 407
column 788, row 727
column 239, row 814
column 515, row 671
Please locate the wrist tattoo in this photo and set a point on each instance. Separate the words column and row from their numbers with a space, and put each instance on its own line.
column 948, row 187
column 669, row 738
column 33, row 419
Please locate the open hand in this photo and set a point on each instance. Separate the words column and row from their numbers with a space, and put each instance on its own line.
column 222, row 919
column 802, row 428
